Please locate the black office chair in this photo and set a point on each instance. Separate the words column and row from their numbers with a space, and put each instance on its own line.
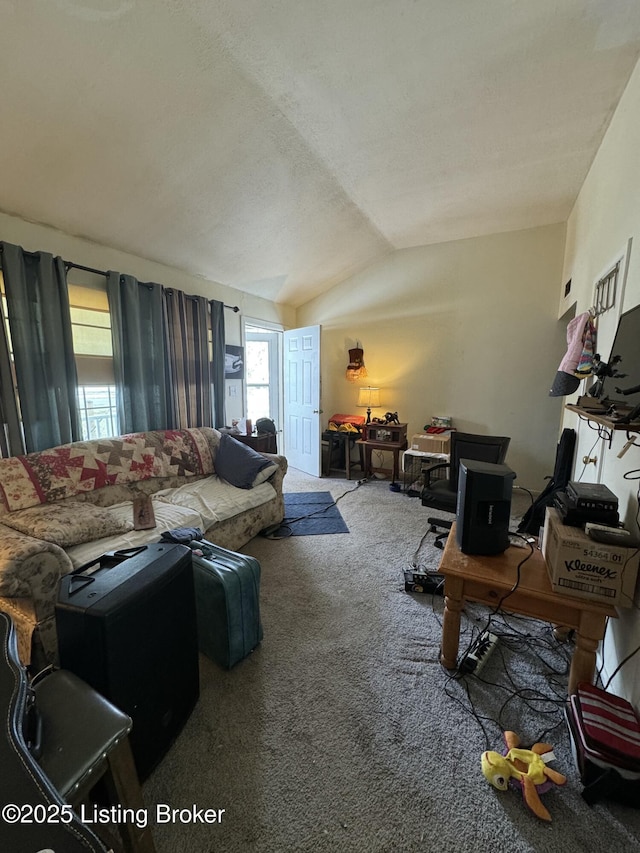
column 440, row 492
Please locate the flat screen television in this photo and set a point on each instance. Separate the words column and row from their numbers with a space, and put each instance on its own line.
column 621, row 388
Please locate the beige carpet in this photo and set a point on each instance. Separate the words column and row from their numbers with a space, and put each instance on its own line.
column 342, row 732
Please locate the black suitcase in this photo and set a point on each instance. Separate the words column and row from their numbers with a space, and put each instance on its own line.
column 227, row 590
column 126, row 626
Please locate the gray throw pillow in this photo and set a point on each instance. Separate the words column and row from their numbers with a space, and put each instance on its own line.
column 237, row 463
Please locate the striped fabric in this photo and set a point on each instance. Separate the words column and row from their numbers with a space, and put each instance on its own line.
column 189, row 360
column 610, row 723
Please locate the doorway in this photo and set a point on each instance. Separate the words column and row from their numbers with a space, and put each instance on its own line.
column 263, row 371
column 302, row 398
column 282, row 382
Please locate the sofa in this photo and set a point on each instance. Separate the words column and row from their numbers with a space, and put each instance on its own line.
column 63, row 508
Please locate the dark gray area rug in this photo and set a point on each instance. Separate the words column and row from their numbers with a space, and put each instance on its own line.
column 311, row 514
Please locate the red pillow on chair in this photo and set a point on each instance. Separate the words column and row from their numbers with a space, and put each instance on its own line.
column 356, row 420
column 610, row 723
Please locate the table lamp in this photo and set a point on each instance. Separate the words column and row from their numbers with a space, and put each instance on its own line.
column 369, row 397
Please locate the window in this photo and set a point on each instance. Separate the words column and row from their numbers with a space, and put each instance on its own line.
column 257, row 355
column 91, row 328
column 97, row 409
column 262, row 366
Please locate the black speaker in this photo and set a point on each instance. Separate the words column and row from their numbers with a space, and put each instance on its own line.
column 127, row 626
column 483, row 507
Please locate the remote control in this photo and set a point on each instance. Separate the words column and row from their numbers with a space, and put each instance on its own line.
column 610, row 535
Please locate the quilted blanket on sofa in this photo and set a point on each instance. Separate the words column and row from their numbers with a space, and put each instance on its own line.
column 82, row 466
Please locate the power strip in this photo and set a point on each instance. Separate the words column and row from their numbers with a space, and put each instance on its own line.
column 477, row 655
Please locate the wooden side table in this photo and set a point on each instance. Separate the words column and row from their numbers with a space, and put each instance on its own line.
column 263, row 442
column 343, row 441
column 488, row 579
column 390, row 437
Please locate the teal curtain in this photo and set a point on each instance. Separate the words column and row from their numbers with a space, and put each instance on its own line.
column 45, row 369
column 139, row 354
column 190, row 382
column 218, row 336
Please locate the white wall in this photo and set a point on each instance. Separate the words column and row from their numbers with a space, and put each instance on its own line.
column 467, row 328
column 605, row 217
column 34, row 237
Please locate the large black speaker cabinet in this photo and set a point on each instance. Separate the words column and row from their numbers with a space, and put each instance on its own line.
column 483, row 507
column 127, row 626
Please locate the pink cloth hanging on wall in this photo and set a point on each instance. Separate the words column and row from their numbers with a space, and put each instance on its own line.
column 575, row 337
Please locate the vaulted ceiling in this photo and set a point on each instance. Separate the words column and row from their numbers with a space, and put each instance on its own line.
column 278, row 146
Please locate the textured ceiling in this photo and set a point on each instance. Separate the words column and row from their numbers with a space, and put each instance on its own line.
column 277, row 146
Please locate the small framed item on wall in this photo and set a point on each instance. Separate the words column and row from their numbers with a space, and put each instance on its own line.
column 233, row 362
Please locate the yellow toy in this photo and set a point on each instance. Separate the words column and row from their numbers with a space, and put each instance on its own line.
column 524, row 766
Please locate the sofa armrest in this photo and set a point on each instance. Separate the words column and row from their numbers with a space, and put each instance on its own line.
column 31, row 568
column 276, row 479
column 281, row 461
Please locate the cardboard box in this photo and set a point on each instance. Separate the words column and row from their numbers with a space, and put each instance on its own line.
column 582, row 568
column 431, row 443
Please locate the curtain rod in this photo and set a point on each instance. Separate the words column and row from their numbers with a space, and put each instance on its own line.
column 70, row 265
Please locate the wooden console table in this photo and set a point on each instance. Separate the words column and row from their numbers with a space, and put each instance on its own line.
column 391, row 437
column 488, row 579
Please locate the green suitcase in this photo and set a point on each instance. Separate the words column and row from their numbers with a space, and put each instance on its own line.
column 227, row 590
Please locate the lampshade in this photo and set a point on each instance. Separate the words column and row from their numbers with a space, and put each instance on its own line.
column 369, row 397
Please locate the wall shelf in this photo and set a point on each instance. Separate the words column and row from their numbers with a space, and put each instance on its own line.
column 602, row 419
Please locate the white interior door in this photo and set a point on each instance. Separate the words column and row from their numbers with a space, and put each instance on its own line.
column 302, row 399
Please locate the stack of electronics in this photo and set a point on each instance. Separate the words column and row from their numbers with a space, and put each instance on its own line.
column 581, row 503
column 423, row 581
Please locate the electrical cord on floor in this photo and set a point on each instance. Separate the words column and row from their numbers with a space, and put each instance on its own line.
column 533, row 643
column 620, row 665
column 543, row 704
column 414, row 559
column 537, row 702
column 528, row 491
column 275, row 532
column 518, row 571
